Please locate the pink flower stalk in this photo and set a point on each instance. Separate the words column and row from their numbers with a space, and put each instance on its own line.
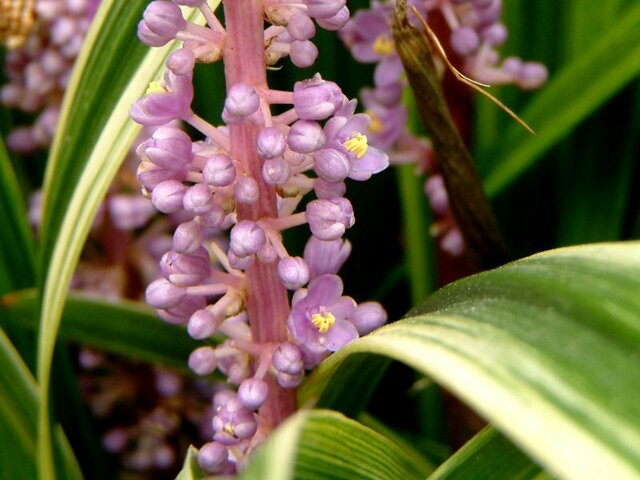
column 476, row 32
column 249, row 176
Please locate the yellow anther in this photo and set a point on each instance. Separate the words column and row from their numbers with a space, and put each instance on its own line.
column 228, row 428
column 357, row 144
column 383, row 45
column 16, row 21
column 323, row 321
column 376, row 125
column 156, row 87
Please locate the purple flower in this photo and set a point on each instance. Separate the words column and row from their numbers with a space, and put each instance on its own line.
column 348, row 145
column 316, row 99
column 234, row 422
column 318, row 322
column 328, row 219
column 169, row 102
column 163, row 19
column 387, row 121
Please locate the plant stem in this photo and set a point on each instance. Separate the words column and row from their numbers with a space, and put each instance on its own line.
column 267, row 303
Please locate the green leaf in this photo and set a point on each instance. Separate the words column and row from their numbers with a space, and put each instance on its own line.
column 18, row 413
column 190, row 469
column 93, row 136
column 17, row 259
column 122, row 327
column 321, row 444
column 546, row 348
column 489, row 456
column 575, row 92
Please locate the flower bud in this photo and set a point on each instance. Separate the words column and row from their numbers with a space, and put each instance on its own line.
column 167, row 196
column 324, row 8
column 186, row 270
column 129, row 212
column 368, row 316
column 293, row 272
column 198, row 199
column 214, row 218
column 219, row 170
column 169, row 147
column 464, row 41
column 452, row 242
column 203, row 360
column 303, row 53
column 242, row 101
column 246, row 190
column 164, row 18
column 270, row 142
column 286, row 380
column 252, row 393
column 246, row 238
column 276, row 171
column 163, row 294
column 212, row 456
column 301, row 27
column 532, row 75
column 336, row 22
column 202, row 324
column 328, row 219
column 187, row 238
column 316, row 99
column 287, row 358
column 305, row 136
column 151, row 175
column 331, row 165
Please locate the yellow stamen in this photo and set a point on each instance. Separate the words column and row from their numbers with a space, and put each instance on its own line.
column 376, row 125
column 155, row 87
column 383, row 45
column 357, row 144
column 323, row 321
column 16, row 21
column 228, row 428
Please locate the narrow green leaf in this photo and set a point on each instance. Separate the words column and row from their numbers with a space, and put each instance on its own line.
column 489, row 456
column 18, row 413
column 122, row 327
column 321, row 444
column 94, row 134
column 571, row 95
column 17, row 259
column 190, row 469
column 546, row 348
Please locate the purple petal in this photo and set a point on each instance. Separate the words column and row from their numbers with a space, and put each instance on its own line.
column 324, row 290
column 373, row 161
column 343, row 308
column 339, row 335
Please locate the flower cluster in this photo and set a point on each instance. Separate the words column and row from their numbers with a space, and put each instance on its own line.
column 39, row 70
column 250, row 176
column 476, row 32
column 147, row 410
